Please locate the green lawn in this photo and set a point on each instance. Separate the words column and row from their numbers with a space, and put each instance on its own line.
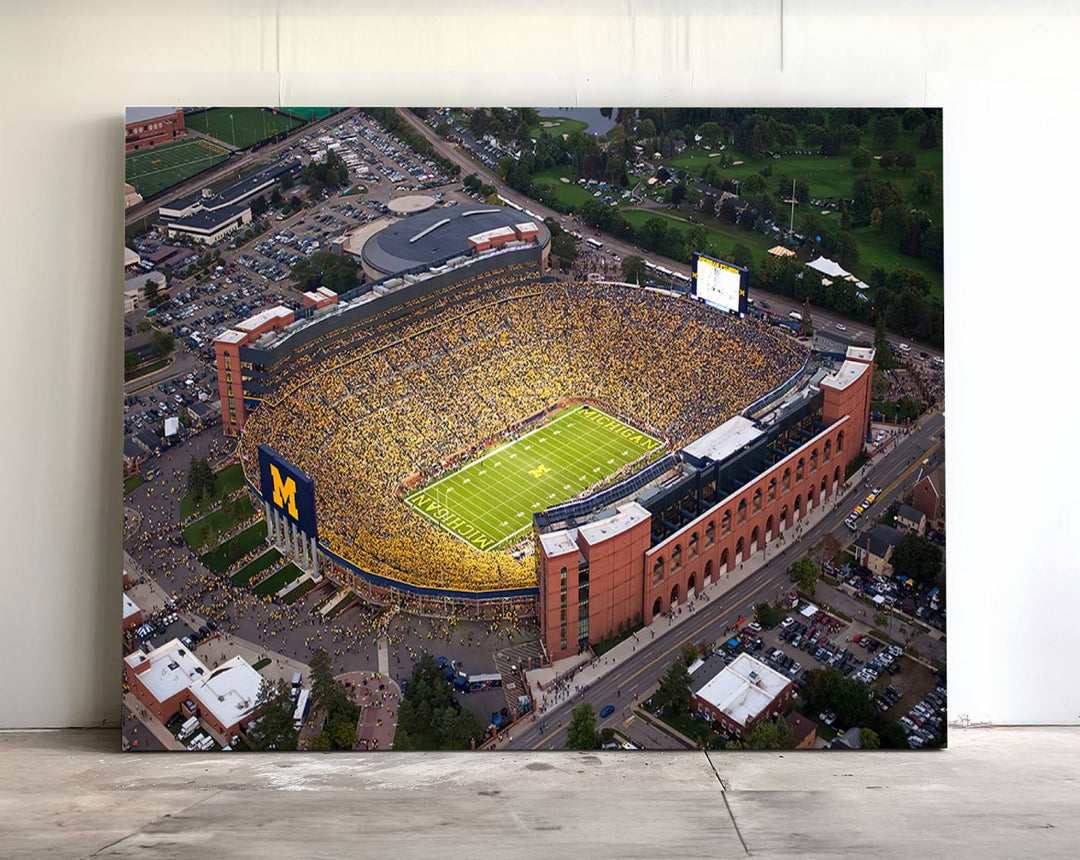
column 262, row 664
column 218, row 560
column 206, row 531
column 493, row 498
column 229, row 480
column 340, row 606
column 559, row 125
column 145, row 368
column 240, row 127
column 876, row 250
column 132, row 482
column 306, row 114
column 160, row 167
column 252, row 569
column 569, row 194
column 722, row 236
column 277, row 581
column 298, row 592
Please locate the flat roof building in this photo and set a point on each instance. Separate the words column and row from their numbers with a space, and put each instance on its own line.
column 742, row 694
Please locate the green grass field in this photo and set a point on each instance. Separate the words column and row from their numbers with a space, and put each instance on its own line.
column 154, row 170
column 241, row 127
column 493, row 498
column 277, row 581
column 250, row 570
column 722, row 236
column 218, row 560
column 558, row 125
column 206, row 531
column 305, row 114
column 569, row 194
column 229, row 480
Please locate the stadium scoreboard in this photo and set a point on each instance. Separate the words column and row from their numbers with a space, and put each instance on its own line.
column 720, row 285
column 288, row 489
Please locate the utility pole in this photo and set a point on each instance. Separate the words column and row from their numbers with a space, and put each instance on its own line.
column 791, row 229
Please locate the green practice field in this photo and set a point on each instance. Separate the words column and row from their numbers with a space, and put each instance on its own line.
column 492, row 499
column 153, row 170
column 312, row 114
column 242, row 127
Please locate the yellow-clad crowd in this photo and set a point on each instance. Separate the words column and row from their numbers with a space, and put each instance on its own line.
column 418, row 387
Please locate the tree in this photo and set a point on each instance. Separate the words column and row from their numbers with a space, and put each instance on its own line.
column 928, row 136
column 162, row 343
column 925, row 186
column 672, row 694
column 581, row 734
column 201, row 480
column 919, row 558
column 428, row 718
column 678, row 193
column 564, row 247
column 767, row 615
column 273, row 729
column 689, row 653
column 913, row 118
column 633, row 269
column 259, row 206
column 710, row 133
column 326, row 269
column 150, row 293
column 741, row 255
column 881, row 619
column 804, row 573
column 286, row 182
column 807, row 328
column 869, row 739
column 905, row 161
column 882, row 354
column 886, row 128
column 770, row 735
column 888, row 160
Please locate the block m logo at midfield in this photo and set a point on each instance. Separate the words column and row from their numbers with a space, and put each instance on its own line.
column 286, row 488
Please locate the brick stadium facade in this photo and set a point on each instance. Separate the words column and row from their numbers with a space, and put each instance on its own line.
column 144, row 133
column 616, row 570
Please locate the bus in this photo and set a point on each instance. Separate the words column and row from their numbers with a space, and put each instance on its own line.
column 471, row 683
column 593, row 243
column 301, row 709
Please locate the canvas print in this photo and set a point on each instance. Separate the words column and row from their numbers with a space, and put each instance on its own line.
column 469, row 428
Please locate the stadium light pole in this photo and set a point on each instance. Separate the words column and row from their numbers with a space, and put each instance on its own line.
column 233, row 126
column 791, row 229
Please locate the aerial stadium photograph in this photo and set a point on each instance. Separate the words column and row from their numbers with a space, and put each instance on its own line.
column 468, row 428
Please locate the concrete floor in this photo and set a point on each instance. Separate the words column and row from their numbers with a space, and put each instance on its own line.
column 995, row 793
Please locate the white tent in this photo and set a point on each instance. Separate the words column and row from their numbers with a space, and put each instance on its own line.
column 828, row 267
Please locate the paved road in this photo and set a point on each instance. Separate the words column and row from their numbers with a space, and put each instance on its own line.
column 823, row 319
column 712, row 618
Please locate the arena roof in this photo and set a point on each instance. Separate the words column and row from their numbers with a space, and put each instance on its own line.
column 430, row 237
column 628, row 516
column 411, row 205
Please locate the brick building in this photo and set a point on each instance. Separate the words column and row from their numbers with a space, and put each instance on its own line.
column 928, row 496
column 735, row 489
column 155, row 130
column 741, row 695
column 227, row 357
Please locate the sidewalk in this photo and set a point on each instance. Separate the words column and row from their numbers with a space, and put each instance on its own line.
column 225, row 646
column 152, row 723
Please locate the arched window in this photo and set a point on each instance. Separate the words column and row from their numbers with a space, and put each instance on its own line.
column 725, row 523
column 658, row 569
column 742, row 511
column 813, row 461
column 740, row 545
column 757, row 500
column 676, row 558
column 839, row 441
column 828, row 450
column 693, row 546
column 786, row 482
column 710, row 534
column 772, row 489
column 800, row 469
column 725, row 559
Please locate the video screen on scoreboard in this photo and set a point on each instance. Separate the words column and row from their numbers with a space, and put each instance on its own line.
column 719, row 284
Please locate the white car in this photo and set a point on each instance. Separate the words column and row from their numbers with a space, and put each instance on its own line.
column 841, row 327
column 787, row 622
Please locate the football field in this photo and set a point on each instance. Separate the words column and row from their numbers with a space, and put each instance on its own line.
column 492, row 499
column 160, row 167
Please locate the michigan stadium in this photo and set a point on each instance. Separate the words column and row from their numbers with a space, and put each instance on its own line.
column 439, row 422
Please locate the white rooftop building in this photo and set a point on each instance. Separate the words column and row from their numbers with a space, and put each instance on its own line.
column 743, row 692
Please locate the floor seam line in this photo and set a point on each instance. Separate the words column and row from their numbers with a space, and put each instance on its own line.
column 727, row 804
